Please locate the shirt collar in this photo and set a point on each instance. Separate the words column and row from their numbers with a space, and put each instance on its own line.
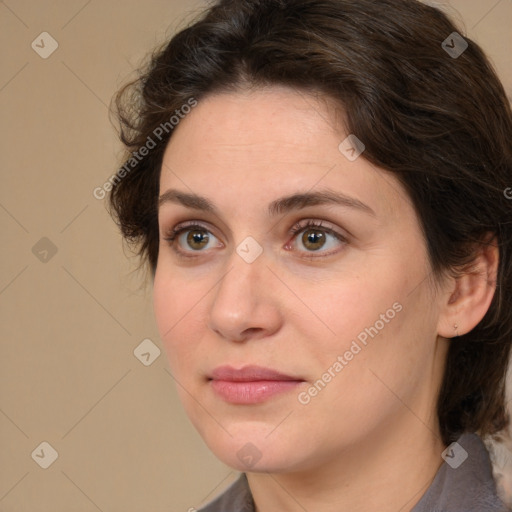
column 464, row 482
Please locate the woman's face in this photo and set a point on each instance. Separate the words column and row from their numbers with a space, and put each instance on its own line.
column 342, row 311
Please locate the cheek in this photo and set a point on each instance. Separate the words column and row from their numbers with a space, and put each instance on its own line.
column 359, row 371
column 338, row 313
column 164, row 304
column 175, row 307
column 374, row 317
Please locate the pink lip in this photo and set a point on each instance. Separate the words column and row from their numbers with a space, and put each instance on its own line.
column 250, row 384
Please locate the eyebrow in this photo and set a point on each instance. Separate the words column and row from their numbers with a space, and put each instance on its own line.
column 279, row 206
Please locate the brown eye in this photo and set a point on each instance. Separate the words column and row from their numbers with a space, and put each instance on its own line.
column 191, row 239
column 197, row 239
column 313, row 239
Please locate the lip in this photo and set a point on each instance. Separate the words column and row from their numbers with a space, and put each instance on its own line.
column 250, row 384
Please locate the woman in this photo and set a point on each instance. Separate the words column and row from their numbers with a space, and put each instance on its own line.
column 319, row 188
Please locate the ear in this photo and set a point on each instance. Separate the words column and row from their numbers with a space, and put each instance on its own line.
column 468, row 297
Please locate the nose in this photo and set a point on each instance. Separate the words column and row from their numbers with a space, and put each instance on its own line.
column 245, row 304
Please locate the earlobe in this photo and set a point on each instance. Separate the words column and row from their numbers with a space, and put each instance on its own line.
column 470, row 294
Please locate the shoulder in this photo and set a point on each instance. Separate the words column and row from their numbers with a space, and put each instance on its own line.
column 464, row 483
column 236, row 498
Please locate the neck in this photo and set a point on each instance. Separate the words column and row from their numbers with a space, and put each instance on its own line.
column 388, row 472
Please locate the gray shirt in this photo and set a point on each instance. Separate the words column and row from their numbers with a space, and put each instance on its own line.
column 462, row 484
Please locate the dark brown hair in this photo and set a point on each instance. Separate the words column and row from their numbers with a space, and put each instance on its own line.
column 440, row 122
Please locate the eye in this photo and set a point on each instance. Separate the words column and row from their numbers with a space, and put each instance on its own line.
column 315, row 238
column 187, row 238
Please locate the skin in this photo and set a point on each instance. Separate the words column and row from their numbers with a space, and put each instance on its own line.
column 369, row 439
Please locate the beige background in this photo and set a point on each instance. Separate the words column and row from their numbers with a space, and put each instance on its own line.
column 70, row 324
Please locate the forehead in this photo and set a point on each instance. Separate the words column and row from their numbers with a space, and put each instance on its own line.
column 268, row 122
column 274, row 141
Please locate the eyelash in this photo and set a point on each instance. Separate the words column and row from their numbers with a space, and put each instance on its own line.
column 299, row 227
column 294, row 231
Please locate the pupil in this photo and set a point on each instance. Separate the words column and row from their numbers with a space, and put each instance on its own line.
column 197, row 238
column 312, row 238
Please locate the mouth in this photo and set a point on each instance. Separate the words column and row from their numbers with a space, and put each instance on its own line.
column 250, row 384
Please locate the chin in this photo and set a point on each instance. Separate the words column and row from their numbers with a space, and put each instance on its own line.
column 251, row 451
